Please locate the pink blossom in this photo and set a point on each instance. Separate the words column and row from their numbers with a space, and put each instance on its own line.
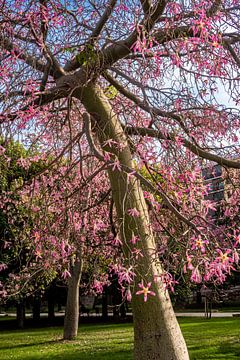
column 38, row 254
column 223, row 257
column 2, row 150
column 237, row 240
column 116, row 165
column 196, row 276
column 199, row 244
column 134, row 239
column 126, row 275
column 167, row 280
column 189, row 262
column 3, row 266
column 37, row 236
column 137, row 253
column 66, row 274
column 145, row 290
column 117, row 241
column 110, row 143
column 128, row 295
column 133, row 212
column 107, row 156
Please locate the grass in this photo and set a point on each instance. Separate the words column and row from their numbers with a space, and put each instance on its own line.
column 217, row 339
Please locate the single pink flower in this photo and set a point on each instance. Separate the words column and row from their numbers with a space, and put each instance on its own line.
column 66, row 274
column 237, row 240
column 133, row 212
column 134, row 239
column 145, row 291
column 116, row 165
column 128, row 295
column 223, row 257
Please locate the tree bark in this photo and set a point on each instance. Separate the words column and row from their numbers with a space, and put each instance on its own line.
column 20, row 314
column 72, row 307
column 157, row 335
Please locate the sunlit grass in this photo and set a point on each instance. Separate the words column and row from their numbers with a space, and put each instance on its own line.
column 216, row 339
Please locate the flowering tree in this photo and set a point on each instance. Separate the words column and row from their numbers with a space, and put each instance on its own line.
column 133, row 85
column 46, row 228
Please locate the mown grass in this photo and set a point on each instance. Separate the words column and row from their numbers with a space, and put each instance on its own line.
column 216, row 339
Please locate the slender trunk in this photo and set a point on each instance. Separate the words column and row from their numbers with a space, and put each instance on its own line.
column 72, row 307
column 105, row 304
column 51, row 302
column 157, row 335
column 36, row 308
column 20, row 314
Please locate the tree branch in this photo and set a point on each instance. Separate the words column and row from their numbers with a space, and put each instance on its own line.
column 146, row 5
column 228, row 46
column 102, row 21
column 30, row 60
column 155, row 133
column 128, row 170
column 73, row 64
column 150, row 109
column 140, row 131
column 122, row 48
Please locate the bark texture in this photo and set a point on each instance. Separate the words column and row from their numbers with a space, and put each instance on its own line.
column 157, row 335
column 72, row 307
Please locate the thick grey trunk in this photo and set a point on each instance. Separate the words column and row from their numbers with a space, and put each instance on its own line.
column 72, row 307
column 157, row 335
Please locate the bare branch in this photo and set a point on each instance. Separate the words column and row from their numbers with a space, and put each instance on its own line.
column 102, row 21
column 151, row 110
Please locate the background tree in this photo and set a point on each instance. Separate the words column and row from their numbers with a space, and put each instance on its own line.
column 19, row 278
column 50, row 230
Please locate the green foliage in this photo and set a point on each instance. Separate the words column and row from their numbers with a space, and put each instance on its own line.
column 16, row 218
column 110, row 92
column 87, row 56
column 9, row 169
column 12, row 172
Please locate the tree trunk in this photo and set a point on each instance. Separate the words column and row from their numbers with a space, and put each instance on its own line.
column 105, row 303
column 36, row 308
column 157, row 335
column 51, row 302
column 20, row 314
column 72, row 307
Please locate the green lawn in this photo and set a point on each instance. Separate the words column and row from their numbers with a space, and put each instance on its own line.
column 216, row 339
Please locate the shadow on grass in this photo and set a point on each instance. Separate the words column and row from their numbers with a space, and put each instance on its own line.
column 231, row 347
column 227, row 350
column 75, row 353
column 19, row 346
column 101, row 355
